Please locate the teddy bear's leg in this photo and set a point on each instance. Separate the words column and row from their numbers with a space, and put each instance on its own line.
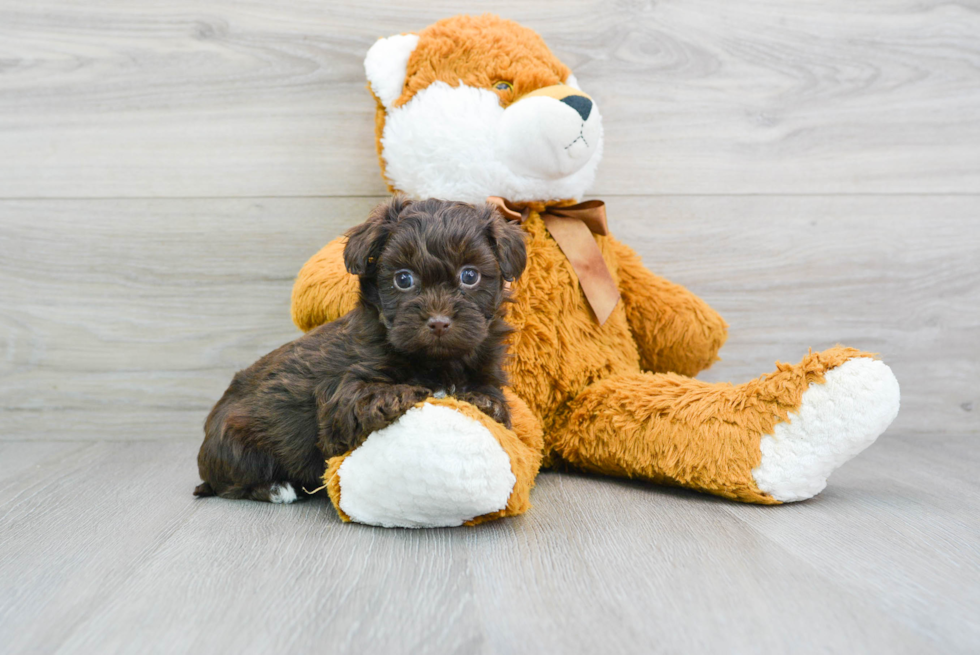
column 443, row 463
column 774, row 439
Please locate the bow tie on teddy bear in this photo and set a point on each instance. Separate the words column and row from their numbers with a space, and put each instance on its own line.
column 572, row 227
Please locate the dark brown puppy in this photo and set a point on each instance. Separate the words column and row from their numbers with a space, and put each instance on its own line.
column 430, row 320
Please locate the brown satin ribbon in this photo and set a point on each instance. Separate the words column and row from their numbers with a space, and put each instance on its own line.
column 572, row 228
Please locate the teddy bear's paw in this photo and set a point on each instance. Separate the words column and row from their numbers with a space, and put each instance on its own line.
column 433, row 467
column 836, row 421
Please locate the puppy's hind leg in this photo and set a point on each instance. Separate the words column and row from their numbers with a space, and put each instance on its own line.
column 203, row 490
column 276, row 492
column 269, row 492
column 232, row 470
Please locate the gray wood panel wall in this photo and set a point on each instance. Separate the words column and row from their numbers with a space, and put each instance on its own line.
column 811, row 169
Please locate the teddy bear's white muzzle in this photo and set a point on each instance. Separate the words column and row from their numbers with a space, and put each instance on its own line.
column 546, row 138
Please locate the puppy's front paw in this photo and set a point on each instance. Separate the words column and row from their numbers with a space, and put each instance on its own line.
column 495, row 408
column 381, row 406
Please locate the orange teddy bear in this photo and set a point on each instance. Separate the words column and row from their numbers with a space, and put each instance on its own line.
column 604, row 350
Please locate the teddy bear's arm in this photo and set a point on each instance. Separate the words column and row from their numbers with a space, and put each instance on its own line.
column 324, row 290
column 675, row 331
column 406, row 469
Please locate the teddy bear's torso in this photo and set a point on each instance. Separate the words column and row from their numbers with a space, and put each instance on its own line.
column 559, row 348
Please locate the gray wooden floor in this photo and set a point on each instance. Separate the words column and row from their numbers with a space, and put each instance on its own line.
column 810, row 169
column 105, row 551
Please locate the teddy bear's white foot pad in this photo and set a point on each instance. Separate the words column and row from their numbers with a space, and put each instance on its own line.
column 836, row 421
column 433, row 467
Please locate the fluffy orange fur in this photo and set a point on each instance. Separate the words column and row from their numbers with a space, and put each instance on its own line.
column 675, row 430
column 324, row 291
column 613, row 398
column 478, row 51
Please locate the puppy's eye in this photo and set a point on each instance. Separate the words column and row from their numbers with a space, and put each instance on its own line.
column 404, row 280
column 469, row 277
column 503, row 86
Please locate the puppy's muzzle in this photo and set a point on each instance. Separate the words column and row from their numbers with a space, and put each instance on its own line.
column 439, row 325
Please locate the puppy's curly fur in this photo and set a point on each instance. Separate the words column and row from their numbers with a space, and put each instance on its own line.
column 430, row 320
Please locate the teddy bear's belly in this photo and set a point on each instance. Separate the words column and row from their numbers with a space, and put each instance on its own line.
column 560, row 349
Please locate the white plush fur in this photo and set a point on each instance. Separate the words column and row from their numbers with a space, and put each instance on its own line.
column 460, row 143
column 544, row 138
column 835, row 422
column 434, row 467
column 282, row 493
column 386, row 63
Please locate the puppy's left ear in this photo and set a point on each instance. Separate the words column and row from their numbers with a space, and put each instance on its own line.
column 366, row 241
column 507, row 240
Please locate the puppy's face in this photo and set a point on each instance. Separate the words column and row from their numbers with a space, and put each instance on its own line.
column 435, row 270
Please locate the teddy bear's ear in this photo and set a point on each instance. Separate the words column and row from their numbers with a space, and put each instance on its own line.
column 572, row 81
column 385, row 66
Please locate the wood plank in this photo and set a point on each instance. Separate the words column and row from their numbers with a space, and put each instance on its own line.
column 109, row 553
column 896, row 526
column 17, row 457
column 120, row 317
column 108, row 421
column 617, row 566
column 248, row 577
column 898, row 276
column 76, row 529
column 230, row 99
column 126, row 319
column 505, row 588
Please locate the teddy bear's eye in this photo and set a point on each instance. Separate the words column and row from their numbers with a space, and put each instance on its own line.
column 503, row 86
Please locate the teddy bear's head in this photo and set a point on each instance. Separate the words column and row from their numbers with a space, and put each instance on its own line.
column 477, row 106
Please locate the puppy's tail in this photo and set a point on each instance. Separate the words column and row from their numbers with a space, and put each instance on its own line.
column 203, row 489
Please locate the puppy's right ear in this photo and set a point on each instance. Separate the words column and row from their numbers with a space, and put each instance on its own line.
column 366, row 241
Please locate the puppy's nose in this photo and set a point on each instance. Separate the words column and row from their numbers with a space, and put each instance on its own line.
column 439, row 325
column 581, row 104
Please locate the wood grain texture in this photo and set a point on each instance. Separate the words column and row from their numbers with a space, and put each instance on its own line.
column 115, row 98
column 19, row 456
column 898, row 276
column 126, row 319
column 106, row 551
column 901, row 491
column 810, row 169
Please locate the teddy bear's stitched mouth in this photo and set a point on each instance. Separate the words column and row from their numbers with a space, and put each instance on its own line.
column 580, row 137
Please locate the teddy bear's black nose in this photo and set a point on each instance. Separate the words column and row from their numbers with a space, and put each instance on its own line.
column 581, row 104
